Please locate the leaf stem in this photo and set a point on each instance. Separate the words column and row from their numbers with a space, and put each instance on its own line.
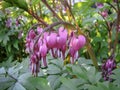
column 117, row 29
column 37, row 17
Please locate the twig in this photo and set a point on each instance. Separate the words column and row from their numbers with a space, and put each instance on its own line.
column 70, row 10
column 37, row 18
column 118, row 6
column 112, row 6
column 33, row 26
column 54, row 13
column 109, row 28
column 117, row 29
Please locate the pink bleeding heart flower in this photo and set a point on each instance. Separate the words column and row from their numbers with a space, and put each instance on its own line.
column 99, row 5
column 73, row 54
column 118, row 28
column 39, row 30
column 62, row 37
column 61, row 42
column 75, row 44
column 63, row 50
column 17, row 21
column 39, row 42
column 8, row 23
column 28, row 40
column 45, row 35
column 51, row 40
column 27, row 48
column 73, row 48
column 43, row 52
column 20, row 34
column 36, row 50
column 34, row 64
column 31, row 34
column 31, row 46
column 104, row 13
column 82, row 41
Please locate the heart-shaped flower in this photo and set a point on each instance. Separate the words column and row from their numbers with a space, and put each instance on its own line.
column 51, row 40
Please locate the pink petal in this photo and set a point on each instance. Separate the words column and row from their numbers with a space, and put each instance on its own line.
column 39, row 30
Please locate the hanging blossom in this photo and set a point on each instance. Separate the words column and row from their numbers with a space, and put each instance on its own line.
column 20, row 34
column 115, row 1
column 107, row 69
column 17, row 22
column 55, row 43
column 76, row 43
column 8, row 23
column 99, row 5
column 104, row 13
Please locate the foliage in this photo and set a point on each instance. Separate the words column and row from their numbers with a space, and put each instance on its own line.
column 80, row 76
column 18, row 77
column 99, row 24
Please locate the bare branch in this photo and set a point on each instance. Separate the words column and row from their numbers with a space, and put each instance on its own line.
column 112, row 6
column 37, row 18
column 54, row 13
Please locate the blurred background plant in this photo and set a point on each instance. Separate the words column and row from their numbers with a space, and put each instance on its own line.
column 97, row 20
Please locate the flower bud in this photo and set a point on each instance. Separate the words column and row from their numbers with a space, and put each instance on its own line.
column 104, row 13
column 107, row 69
column 99, row 5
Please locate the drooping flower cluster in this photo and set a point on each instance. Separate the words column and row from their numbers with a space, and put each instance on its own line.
column 107, row 69
column 54, row 42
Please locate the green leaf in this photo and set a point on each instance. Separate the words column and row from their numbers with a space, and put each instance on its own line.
column 34, row 2
column 53, row 69
column 18, row 86
column 116, row 76
column 62, row 87
column 54, row 81
column 79, row 72
column 39, row 83
column 19, row 3
column 83, row 61
column 98, row 77
column 8, row 63
column 78, row 83
column 91, row 87
column 24, row 80
column 67, row 82
column 5, row 40
column 58, row 63
column 92, row 75
column 6, row 82
column 33, row 83
column 16, row 45
column 102, row 86
column 2, row 70
column 99, row 86
column 113, row 87
column 5, row 4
